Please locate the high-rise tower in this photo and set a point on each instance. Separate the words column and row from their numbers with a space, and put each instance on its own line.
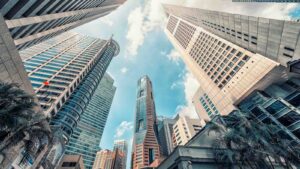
column 33, row 21
column 87, row 135
column 24, row 23
column 122, row 147
column 230, row 55
column 145, row 144
column 60, row 68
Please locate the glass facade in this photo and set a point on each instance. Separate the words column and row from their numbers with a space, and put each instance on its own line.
column 278, row 104
column 145, row 144
column 87, row 135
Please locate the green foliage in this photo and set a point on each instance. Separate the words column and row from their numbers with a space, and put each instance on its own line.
column 19, row 122
column 245, row 141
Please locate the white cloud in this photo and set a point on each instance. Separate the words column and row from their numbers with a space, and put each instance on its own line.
column 268, row 10
column 124, row 70
column 106, row 21
column 122, row 128
column 190, row 87
column 174, row 56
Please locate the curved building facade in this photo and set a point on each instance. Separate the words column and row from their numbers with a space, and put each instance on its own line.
column 70, row 113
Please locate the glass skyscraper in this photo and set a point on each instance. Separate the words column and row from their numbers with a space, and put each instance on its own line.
column 87, row 135
column 145, row 144
column 122, row 147
column 57, row 68
column 25, row 23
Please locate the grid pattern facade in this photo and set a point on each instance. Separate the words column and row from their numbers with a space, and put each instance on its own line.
column 279, row 104
column 165, row 130
column 276, row 39
column 185, row 128
column 33, row 21
column 122, row 147
column 172, row 24
column 226, row 72
column 63, row 62
column 209, row 106
column 184, row 33
column 219, row 60
column 145, row 146
column 87, row 135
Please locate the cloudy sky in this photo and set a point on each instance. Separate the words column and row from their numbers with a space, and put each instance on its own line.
column 145, row 50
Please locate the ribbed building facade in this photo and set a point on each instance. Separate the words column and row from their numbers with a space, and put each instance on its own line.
column 215, row 48
column 278, row 104
column 145, row 144
column 275, row 39
column 24, row 23
column 122, row 147
column 33, row 21
column 57, row 67
column 87, row 135
column 165, row 130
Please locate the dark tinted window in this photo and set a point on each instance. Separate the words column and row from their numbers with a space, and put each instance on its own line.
column 289, row 118
column 275, row 107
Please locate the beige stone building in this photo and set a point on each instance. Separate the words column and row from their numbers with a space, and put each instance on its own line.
column 71, row 162
column 185, row 128
column 226, row 69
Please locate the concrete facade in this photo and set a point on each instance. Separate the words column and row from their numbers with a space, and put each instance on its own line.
column 32, row 21
column 11, row 65
column 145, row 149
column 275, row 39
column 185, row 128
column 71, row 162
column 226, row 70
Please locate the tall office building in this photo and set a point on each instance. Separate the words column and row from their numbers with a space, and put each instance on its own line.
column 165, row 130
column 185, row 128
column 33, row 21
column 122, row 147
column 24, row 23
column 275, row 39
column 278, row 104
column 101, row 159
column 87, row 135
column 145, row 144
column 107, row 159
column 59, row 67
column 217, row 47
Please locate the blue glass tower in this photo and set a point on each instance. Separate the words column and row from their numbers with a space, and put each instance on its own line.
column 87, row 135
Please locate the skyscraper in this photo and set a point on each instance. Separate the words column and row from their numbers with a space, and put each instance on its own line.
column 217, row 47
column 145, row 144
column 87, row 135
column 275, row 39
column 101, row 159
column 122, row 147
column 24, row 23
column 165, row 130
column 59, row 67
column 185, row 128
column 33, row 21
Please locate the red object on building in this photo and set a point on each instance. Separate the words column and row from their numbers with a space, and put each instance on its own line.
column 46, row 83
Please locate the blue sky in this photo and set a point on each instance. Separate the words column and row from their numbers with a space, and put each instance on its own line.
column 145, row 50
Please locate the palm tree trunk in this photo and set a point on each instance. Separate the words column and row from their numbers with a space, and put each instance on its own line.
column 270, row 162
column 249, row 164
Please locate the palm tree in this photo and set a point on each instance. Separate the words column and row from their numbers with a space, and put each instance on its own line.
column 245, row 141
column 19, row 121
